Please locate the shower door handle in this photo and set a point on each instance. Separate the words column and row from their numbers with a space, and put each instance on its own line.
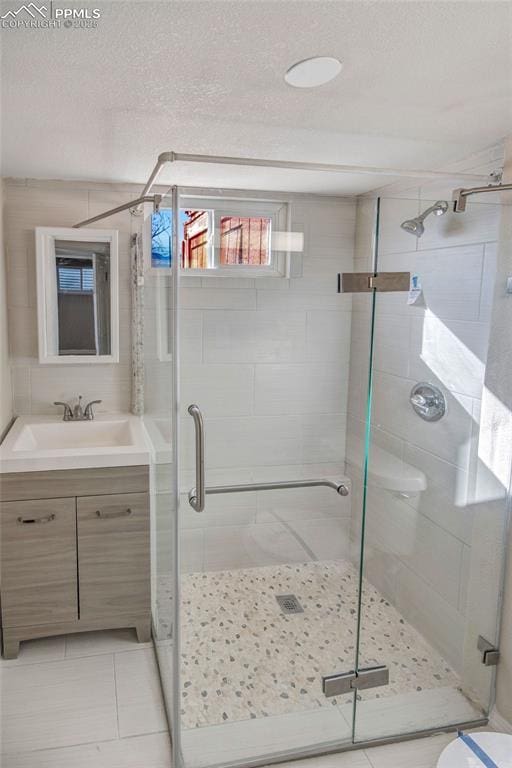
column 196, row 495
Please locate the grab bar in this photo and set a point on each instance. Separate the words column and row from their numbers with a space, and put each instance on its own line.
column 196, row 497
column 340, row 488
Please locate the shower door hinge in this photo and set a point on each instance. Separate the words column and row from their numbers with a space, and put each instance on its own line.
column 490, row 654
column 370, row 677
column 365, row 282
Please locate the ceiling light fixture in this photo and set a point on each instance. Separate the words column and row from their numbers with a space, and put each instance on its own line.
column 313, row 72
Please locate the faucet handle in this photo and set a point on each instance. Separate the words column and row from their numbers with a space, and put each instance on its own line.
column 89, row 413
column 68, row 413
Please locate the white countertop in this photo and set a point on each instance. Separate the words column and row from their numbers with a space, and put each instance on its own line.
column 158, row 429
column 41, row 443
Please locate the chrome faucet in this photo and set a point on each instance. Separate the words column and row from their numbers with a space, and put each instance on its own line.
column 78, row 413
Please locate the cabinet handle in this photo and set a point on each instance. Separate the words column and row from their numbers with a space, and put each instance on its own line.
column 109, row 515
column 27, row 520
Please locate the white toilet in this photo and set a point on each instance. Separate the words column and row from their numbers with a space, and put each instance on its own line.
column 478, row 750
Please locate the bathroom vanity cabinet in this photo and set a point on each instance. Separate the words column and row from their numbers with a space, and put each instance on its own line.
column 75, row 553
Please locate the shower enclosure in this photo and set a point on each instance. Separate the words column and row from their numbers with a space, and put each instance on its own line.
column 328, row 524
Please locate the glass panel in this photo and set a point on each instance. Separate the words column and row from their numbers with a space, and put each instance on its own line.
column 267, row 363
column 160, row 396
column 435, row 510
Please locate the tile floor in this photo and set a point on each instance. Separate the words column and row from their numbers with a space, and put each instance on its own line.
column 94, row 701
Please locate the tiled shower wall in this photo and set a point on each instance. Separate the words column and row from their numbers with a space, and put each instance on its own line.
column 266, row 359
column 419, row 548
column 29, row 203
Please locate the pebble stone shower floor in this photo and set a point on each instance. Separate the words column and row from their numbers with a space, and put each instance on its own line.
column 244, row 658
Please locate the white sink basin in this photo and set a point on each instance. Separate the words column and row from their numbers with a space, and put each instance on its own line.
column 47, row 442
column 70, row 435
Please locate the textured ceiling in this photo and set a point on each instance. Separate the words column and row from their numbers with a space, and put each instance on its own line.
column 423, row 84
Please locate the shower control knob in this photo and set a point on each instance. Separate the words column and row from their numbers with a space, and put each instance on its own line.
column 428, row 401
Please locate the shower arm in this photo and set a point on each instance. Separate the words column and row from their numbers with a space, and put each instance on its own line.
column 433, row 208
column 459, row 195
column 173, row 157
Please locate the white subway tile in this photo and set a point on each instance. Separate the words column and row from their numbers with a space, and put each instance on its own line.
column 465, row 567
column 449, row 352
column 300, row 504
column 430, row 551
column 293, row 388
column 218, row 389
column 286, row 301
column 323, row 438
column 478, row 224
column 488, row 281
column 191, row 335
column 223, row 283
column 246, row 337
column 438, row 621
column 217, row 298
column 323, row 539
column 251, row 546
column 391, row 237
column 449, row 438
column 22, row 325
column 365, row 232
column 20, row 377
column 328, row 337
column 246, row 441
column 445, row 499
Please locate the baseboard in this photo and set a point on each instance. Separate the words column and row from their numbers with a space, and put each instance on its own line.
column 499, row 723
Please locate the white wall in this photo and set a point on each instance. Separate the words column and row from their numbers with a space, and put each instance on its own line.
column 5, row 371
column 266, row 359
column 419, row 549
column 30, row 203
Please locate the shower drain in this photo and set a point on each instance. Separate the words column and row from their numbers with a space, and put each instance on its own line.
column 289, row 604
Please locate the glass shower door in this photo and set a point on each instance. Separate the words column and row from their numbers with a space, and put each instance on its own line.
column 268, row 574
column 434, row 515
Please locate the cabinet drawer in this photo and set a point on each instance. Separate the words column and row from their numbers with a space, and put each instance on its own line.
column 113, row 555
column 39, row 567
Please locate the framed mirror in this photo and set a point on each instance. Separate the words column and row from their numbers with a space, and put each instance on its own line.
column 77, row 295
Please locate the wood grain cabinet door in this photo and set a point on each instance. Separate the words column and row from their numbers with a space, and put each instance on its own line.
column 113, row 555
column 39, row 566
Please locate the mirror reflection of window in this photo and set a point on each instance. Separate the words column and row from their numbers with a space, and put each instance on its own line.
column 83, row 297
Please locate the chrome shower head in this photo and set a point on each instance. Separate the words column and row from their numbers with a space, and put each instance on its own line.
column 415, row 226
